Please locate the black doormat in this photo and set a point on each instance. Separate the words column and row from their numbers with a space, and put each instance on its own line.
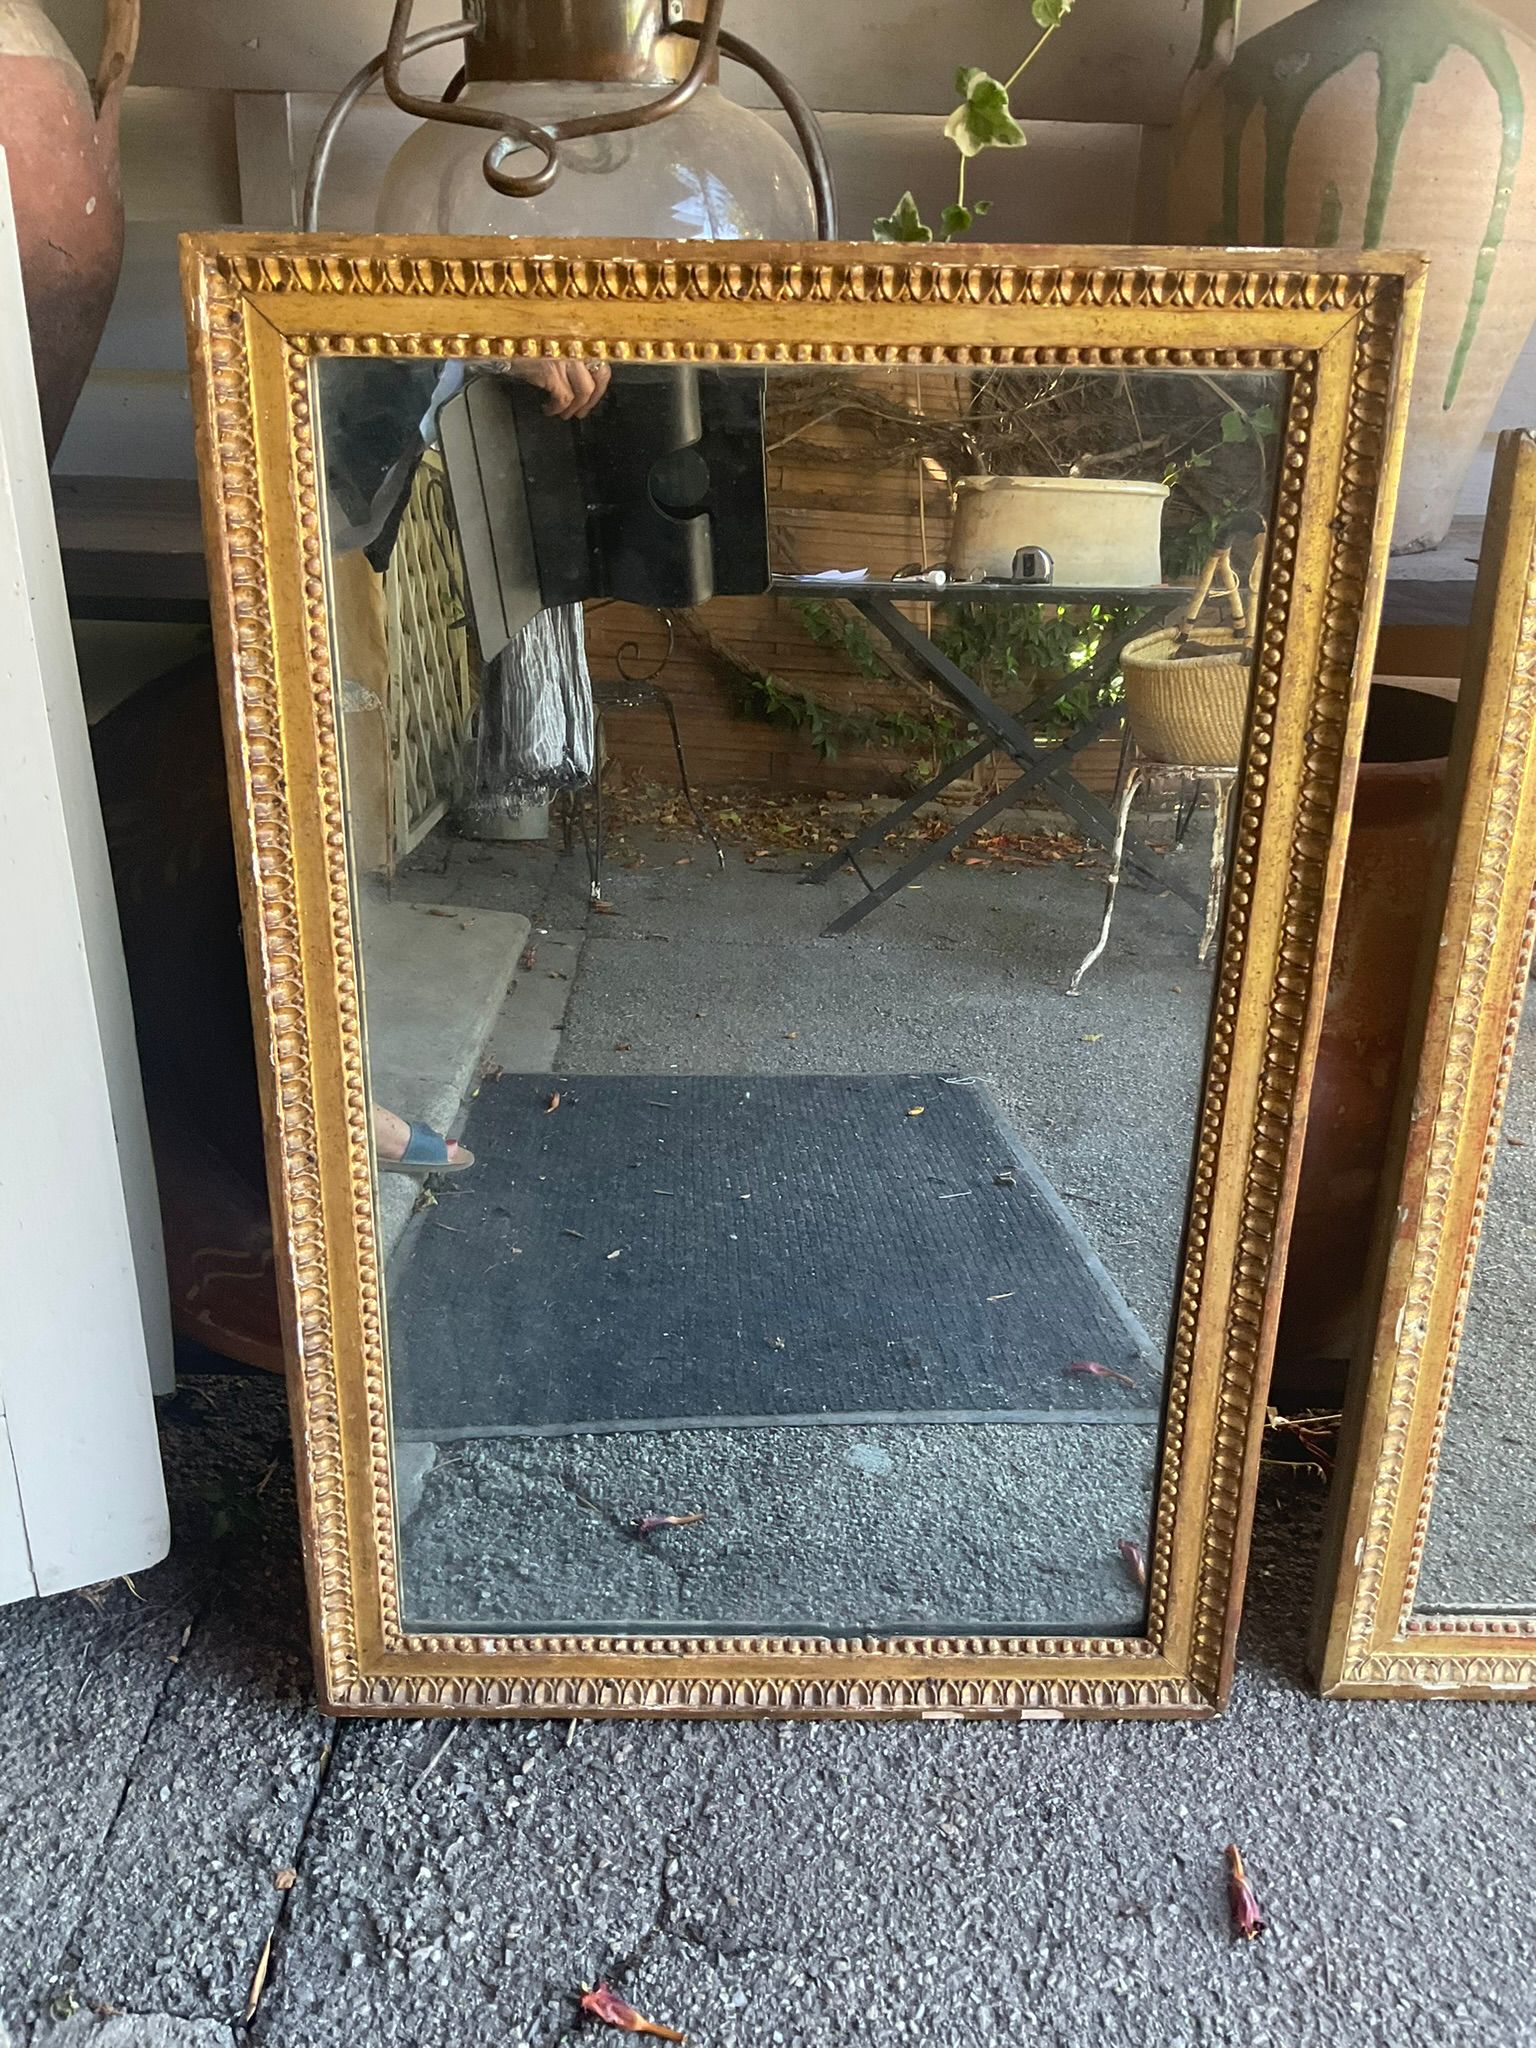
column 702, row 1250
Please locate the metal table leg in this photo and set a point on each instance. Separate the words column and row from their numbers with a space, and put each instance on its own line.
column 870, row 835
column 1013, row 736
column 935, row 850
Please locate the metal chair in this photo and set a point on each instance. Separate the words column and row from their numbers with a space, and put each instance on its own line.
column 631, row 692
column 1185, row 717
column 1135, row 771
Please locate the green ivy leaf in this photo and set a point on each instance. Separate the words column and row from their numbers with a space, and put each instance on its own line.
column 980, row 207
column 1262, row 419
column 1234, row 426
column 1050, row 13
column 955, row 220
column 982, row 120
column 903, row 223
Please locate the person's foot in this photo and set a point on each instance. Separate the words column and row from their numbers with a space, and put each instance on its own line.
column 402, row 1147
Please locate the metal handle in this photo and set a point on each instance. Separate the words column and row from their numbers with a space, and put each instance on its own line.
column 513, row 134
column 509, row 130
column 347, row 99
column 672, row 101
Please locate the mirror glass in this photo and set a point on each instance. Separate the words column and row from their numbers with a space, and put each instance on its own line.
column 781, row 1154
column 1480, row 1548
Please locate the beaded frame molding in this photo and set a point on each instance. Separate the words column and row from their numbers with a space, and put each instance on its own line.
column 262, row 309
column 1463, row 1023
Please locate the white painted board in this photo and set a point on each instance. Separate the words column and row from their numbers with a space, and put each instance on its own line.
column 83, row 1304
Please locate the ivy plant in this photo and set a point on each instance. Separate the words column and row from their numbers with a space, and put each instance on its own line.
column 983, row 120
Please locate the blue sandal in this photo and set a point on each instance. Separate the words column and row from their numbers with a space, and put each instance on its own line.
column 426, row 1151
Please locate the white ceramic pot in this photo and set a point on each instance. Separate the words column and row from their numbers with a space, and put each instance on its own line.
column 1097, row 530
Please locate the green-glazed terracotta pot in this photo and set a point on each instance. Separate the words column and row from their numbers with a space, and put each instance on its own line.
column 1383, row 124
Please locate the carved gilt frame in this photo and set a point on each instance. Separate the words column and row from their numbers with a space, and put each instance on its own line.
column 261, row 310
column 1462, row 1031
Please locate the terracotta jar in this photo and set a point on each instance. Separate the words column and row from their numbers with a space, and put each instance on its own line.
column 1382, row 124
column 59, row 135
column 1397, row 830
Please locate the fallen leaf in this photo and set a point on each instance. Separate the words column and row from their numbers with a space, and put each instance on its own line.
column 1092, row 1037
column 605, row 910
column 1134, row 1562
column 614, row 1255
column 528, row 957
column 285, row 1880
column 685, row 862
column 258, row 1980
column 1005, row 1180
column 553, row 1103
column 1093, row 1370
column 795, row 1034
column 649, row 1524
column 1247, row 1920
column 623, row 1046
column 915, row 1112
column 603, row 2004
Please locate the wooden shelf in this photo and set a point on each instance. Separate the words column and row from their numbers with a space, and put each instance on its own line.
column 132, row 547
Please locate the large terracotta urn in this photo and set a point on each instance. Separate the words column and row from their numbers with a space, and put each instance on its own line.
column 1382, row 124
column 59, row 135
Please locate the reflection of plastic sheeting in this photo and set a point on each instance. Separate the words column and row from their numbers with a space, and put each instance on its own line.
column 536, row 727
column 372, row 417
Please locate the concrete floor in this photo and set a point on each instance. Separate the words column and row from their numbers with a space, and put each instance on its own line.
column 162, row 1768
column 829, row 1530
column 701, row 969
column 160, row 1765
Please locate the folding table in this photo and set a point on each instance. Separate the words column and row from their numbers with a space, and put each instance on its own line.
column 1012, row 733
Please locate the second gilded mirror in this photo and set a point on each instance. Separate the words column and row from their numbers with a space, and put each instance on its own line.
column 1429, row 1577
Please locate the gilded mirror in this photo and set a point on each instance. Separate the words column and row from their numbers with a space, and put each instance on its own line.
column 1429, row 1580
column 791, row 805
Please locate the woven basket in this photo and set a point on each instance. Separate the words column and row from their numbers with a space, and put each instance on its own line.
column 1193, row 712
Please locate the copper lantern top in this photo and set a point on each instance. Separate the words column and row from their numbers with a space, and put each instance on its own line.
column 604, row 40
